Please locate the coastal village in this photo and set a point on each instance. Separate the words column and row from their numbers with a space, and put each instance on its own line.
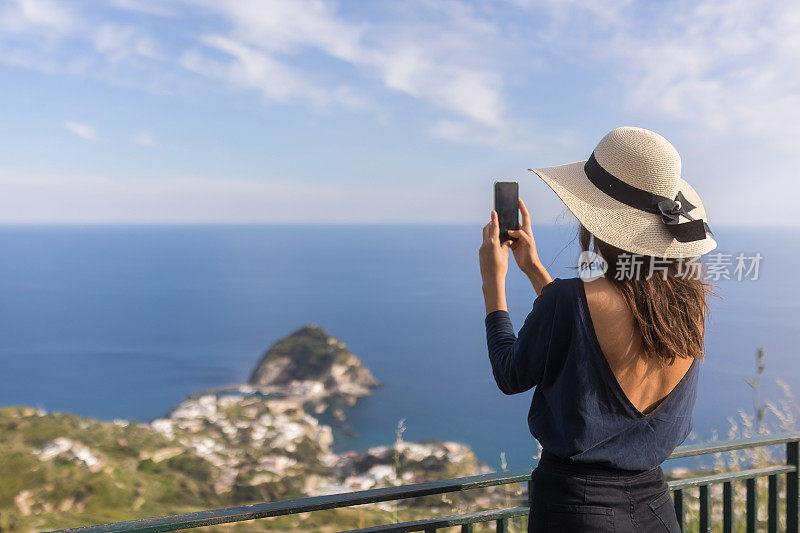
column 244, row 443
column 266, row 430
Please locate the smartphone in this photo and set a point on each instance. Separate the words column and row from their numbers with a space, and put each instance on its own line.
column 506, row 203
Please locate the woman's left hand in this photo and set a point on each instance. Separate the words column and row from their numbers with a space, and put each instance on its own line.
column 493, row 254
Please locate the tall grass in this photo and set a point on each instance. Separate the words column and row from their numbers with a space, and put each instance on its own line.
column 767, row 417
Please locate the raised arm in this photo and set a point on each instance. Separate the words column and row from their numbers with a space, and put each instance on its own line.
column 518, row 361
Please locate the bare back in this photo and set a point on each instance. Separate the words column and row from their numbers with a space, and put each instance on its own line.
column 644, row 380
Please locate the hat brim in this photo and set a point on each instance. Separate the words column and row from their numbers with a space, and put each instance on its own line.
column 619, row 224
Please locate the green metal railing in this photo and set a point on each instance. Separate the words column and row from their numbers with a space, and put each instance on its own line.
column 501, row 517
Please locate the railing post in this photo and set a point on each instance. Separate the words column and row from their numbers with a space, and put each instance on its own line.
column 704, row 509
column 501, row 526
column 772, row 504
column 727, row 507
column 792, row 487
column 466, row 528
column 752, row 505
column 678, row 494
column 530, row 497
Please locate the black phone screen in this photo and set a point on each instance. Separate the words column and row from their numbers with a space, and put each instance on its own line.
column 506, row 203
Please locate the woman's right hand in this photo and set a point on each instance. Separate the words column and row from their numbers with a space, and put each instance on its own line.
column 524, row 247
column 525, row 253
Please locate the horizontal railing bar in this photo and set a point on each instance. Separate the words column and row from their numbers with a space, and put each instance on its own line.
column 729, row 476
column 691, row 450
column 302, row 505
column 446, row 521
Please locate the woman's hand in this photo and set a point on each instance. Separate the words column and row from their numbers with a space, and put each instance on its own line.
column 493, row 256
column 524, row 247
column 525, row 252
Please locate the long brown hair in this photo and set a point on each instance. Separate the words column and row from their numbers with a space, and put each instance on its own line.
column 667, row 298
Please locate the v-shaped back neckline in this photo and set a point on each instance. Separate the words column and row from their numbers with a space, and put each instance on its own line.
column 612, row 378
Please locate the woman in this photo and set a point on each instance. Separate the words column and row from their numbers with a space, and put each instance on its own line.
column 614, row 360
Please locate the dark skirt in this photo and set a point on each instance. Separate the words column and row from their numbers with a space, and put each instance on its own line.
column 568, row 497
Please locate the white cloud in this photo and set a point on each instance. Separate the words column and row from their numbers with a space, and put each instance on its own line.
column 144, row 138
column 723, row 67
column 443, row 54
column 471, row 93
column 82, row 130
column 19, row 16
column 727, row 67
column 730, row 67
column 505, row 138
column 120, row 42
column 59, row 38
column 511, row 137
column 439, row 53
column 253, row 69
column 144, row 6
column 289, row 26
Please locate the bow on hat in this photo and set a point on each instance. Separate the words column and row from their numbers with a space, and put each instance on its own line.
column 672, row 210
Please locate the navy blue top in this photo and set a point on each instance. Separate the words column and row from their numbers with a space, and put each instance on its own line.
column 579, row 411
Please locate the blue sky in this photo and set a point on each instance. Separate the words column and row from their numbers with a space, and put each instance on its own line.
column 316, row 111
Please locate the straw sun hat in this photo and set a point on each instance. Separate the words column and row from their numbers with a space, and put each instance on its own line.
column 630, row 194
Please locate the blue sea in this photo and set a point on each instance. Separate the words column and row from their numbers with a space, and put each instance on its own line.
column 125, row 321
